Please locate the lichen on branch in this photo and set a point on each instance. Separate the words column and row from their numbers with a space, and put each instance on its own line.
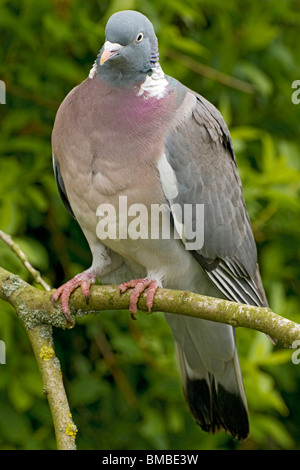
column 34, row 307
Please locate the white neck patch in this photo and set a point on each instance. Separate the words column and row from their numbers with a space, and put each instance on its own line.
column 93, row 70
column 155, row 86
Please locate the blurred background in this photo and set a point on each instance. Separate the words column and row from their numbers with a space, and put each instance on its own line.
column 121, row 376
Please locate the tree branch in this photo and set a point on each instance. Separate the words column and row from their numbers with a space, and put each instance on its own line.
column 49, row 366
column 34, row 307
column 41, row 339
column 209, row 72
column 21, row 255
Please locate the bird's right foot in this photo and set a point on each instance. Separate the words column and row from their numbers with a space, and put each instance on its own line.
column 83, row 280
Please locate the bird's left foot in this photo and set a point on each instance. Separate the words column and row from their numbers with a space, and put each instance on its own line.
column 139, row 286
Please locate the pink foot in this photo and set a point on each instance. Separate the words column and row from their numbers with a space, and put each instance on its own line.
column 140, row 285
column 64, row 292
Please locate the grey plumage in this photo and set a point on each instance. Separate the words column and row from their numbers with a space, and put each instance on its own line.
column 129, row 130
column 214, row 181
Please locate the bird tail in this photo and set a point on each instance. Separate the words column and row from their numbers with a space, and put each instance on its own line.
column 210, row 374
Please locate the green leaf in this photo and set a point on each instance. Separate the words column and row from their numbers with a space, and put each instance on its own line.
column 35, row 252
column 253, row 74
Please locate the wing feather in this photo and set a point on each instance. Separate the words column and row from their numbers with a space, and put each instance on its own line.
column 200, row 152
column 61, row 187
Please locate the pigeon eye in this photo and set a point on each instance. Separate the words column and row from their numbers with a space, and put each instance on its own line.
column 139, row 37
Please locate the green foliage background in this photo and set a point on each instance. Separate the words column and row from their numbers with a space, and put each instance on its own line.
column 121, row 376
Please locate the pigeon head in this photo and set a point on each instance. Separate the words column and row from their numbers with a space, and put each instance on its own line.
column 130, row 50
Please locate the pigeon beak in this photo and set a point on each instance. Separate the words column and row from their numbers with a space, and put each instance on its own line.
column 110, row 50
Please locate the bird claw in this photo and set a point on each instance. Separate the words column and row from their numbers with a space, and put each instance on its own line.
column 84, row 280
column 139, row 286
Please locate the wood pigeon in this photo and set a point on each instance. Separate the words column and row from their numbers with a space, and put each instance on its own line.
column 130, row 133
